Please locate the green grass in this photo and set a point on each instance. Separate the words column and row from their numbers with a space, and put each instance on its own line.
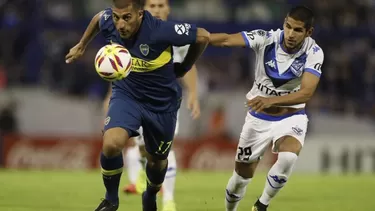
column 195, row 191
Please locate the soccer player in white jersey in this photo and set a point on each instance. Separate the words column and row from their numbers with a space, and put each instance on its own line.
column 135, row 156
column 287, row 72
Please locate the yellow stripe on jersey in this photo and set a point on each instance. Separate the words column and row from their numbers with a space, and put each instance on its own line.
column 140, row 65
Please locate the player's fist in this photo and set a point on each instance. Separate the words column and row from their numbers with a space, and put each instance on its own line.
column 258, row 103
column 74, row 53
column 180, row 70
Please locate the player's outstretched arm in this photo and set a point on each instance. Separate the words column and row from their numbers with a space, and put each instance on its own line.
column 91, row 31
column 227, row 40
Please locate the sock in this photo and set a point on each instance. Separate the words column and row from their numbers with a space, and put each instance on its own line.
column 132, row 162
column 278, row 176
column 111, row 171
column 170, row 178
column 155, row 179
column 235, row 191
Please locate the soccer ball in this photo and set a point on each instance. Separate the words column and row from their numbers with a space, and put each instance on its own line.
column 113, row 62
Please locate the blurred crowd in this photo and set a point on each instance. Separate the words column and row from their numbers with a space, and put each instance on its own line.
column 36, row 35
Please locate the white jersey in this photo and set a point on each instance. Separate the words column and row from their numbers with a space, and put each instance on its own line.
column 277, row 72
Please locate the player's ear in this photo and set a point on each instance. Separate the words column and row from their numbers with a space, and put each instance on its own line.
column 140, row 14
column 309, row 32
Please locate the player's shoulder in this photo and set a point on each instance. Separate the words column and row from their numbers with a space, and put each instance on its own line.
column 105, row 17
column 150, row 21
column 271, row 36
column 312, row 48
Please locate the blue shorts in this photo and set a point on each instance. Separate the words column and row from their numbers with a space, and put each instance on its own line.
column 158, row 128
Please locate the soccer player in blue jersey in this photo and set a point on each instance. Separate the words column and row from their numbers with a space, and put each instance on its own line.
column 149, row 97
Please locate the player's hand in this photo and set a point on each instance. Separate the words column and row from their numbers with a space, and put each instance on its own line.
column 258, row 103
column 180, row 70
column 74, row 53
column 193, row 106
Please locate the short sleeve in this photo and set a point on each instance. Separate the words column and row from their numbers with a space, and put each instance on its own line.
column 106, row 25
column 314, row 61
column 174, row 33
column 256, row 38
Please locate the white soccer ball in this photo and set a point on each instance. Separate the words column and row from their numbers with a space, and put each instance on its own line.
column 113, row 62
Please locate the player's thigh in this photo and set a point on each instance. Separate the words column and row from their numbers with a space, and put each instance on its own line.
column 254, row 139
column 289, row 134
column 122, row 122
column 158, row 133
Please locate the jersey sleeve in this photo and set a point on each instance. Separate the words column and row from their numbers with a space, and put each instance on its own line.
column 179, row 53
column 256, row 38
column 314, row 61
column 106, row 25
column 174, row 33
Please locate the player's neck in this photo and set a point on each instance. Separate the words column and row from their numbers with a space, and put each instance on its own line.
column 291, row 50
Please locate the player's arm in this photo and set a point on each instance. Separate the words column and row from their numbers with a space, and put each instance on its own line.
column 195, row 50
column 251, row 39
column 91, row 31
column 309, row 82
column 190, row 82
column 180, row 34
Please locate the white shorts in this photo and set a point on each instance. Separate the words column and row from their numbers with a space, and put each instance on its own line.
column 257, row 133
column 139, row 141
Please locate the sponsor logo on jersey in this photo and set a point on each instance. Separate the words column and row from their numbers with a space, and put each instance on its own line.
column 271, row 91
column 182, row 28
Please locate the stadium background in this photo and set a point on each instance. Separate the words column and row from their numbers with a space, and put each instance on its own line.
column 51, row 117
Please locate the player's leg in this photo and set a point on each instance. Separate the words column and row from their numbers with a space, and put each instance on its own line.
column 169, row 183
column 289, row 135
column 252, row 144
column 122, row 121
column 134, row 165
column 141, row 174
column 158, row 131
column 170, row 179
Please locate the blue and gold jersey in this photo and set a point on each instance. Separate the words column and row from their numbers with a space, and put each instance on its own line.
column 152, row 81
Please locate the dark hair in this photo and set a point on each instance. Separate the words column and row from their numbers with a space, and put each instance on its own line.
column 137, row 4
column 304, row 14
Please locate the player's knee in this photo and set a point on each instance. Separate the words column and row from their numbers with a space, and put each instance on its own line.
column 286, row 161
column 246, row 170
column 288, row 144
column 157, row 164
column 114, row 141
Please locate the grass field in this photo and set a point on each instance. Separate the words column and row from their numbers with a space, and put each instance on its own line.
column 196, row 191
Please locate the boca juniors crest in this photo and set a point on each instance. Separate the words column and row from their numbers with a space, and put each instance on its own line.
column 145, row 49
